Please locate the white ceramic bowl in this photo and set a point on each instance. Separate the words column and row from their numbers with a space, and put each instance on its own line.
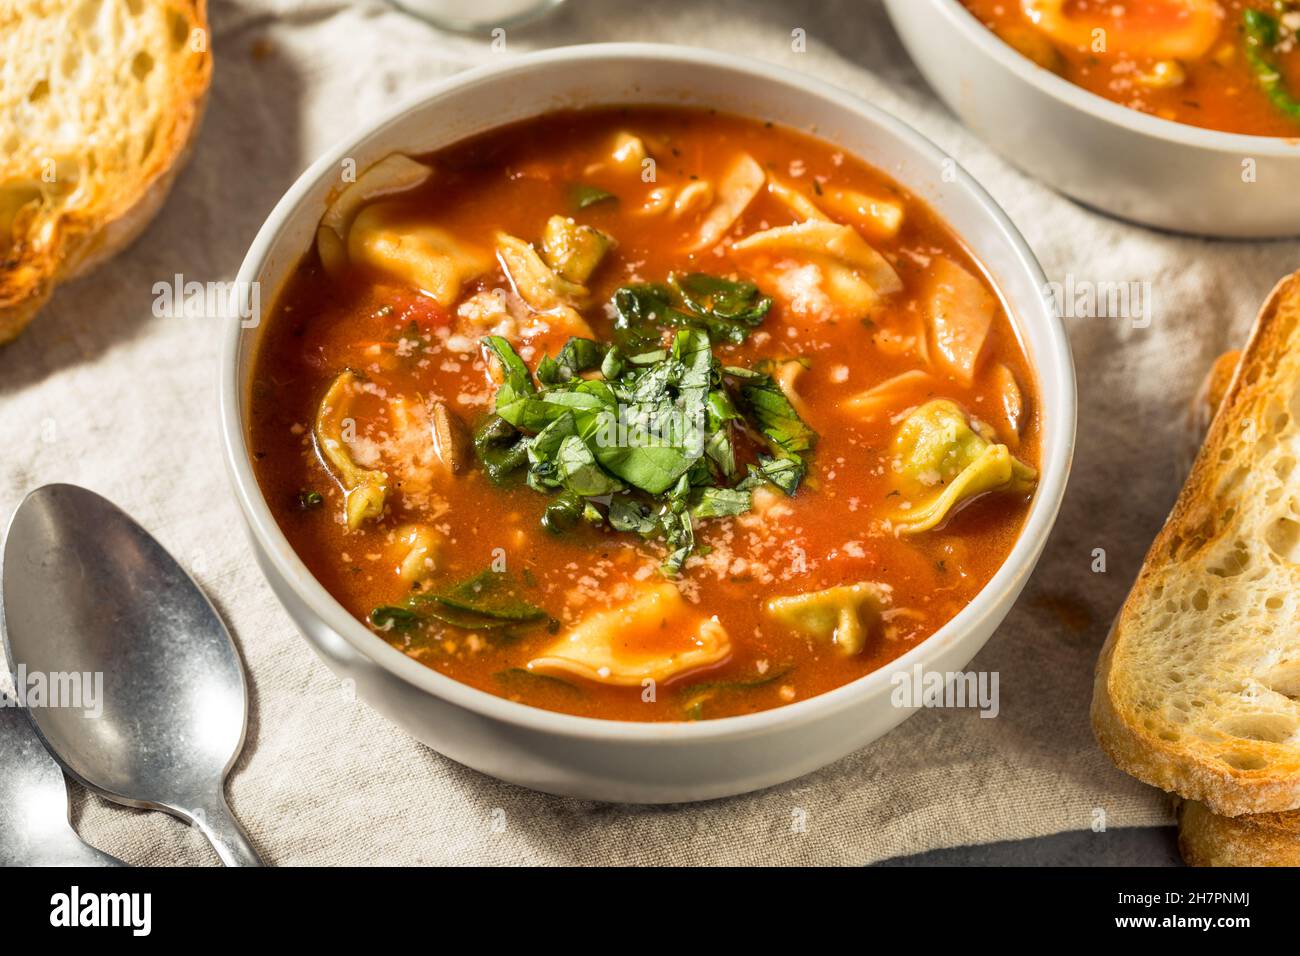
column 611, row 760
column 1129, row 164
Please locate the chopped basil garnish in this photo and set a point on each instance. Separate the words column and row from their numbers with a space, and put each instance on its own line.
column 644, row 439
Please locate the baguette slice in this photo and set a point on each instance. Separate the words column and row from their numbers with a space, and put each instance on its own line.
column 1255, row 839
column 1198, row 686
column 99, row 102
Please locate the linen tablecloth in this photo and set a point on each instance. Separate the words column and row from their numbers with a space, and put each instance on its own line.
column 100, row 392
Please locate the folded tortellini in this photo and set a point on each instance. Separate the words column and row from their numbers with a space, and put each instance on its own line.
column 416, row 548
column 365, row 490
column 735, row 191
column 1176, row 29
column 394, row 173
column 844, row 615
column 425, row 256
column 359, row 229
column 655, row 636
column 851, row 277
column 944, row 460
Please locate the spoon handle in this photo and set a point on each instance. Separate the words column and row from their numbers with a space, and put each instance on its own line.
column 215, row 821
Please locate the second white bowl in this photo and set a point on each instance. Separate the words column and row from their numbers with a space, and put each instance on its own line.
column 1123, row 162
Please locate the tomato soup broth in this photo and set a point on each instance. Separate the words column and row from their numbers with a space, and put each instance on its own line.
column 869, row 431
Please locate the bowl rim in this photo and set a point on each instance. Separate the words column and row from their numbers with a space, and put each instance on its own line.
column 1061, row 89
column 1055, row 371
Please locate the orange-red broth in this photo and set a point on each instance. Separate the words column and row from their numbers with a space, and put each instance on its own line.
column 828, row 534
column 1206, row 79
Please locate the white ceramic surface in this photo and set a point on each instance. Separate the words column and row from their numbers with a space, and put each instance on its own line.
column 1129, row 164
column 610, row 760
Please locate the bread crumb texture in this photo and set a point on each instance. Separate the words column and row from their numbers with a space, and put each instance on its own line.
column 1198, row 687
column 99, row 101
column 1254, row 839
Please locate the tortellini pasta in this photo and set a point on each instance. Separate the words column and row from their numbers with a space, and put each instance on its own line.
column 799, row 204
column 944, row 461
column 536, row 282
column 365, row 490
column 888, row 396
column 844, row 615
column 879, row 218
column 655, row 636
column 417, row 553
column 425, row 256
column 853, row 277
column 629, row 152
column 960, row 312
column 540, row 286
column 1163, row 29
column 735, row 191
column 392, row 174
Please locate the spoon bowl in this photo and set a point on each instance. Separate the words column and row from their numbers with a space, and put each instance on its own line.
column 92, row 600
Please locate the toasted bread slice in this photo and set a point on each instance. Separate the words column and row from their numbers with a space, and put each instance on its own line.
column 99, row 103
column 1254, row 839
column 1198, row 685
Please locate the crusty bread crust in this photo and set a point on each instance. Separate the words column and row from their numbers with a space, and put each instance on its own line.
column 1195, row 689
column 59, row 237
column 1255, row 839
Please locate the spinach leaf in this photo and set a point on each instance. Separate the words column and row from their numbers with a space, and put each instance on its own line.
column 489, row 601
column 491, row 594
column 564, row 512
column 726, row 310
column 391, row 617
column 678, row 529
column 517, row 380
column 723, row 298
column 642, row 309
column 582, row 195
column 500, row 447
column 695, row 696
column 525, row 681
column 654, row 468
column 679, row 533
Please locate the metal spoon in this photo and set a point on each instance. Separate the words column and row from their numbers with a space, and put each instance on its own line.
column 34, row 827
column 88, row 591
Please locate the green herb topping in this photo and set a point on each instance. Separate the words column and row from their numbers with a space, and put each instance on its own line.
column 646, row 439
column 489, row 601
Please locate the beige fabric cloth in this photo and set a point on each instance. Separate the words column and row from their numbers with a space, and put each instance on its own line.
column 101, row 393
